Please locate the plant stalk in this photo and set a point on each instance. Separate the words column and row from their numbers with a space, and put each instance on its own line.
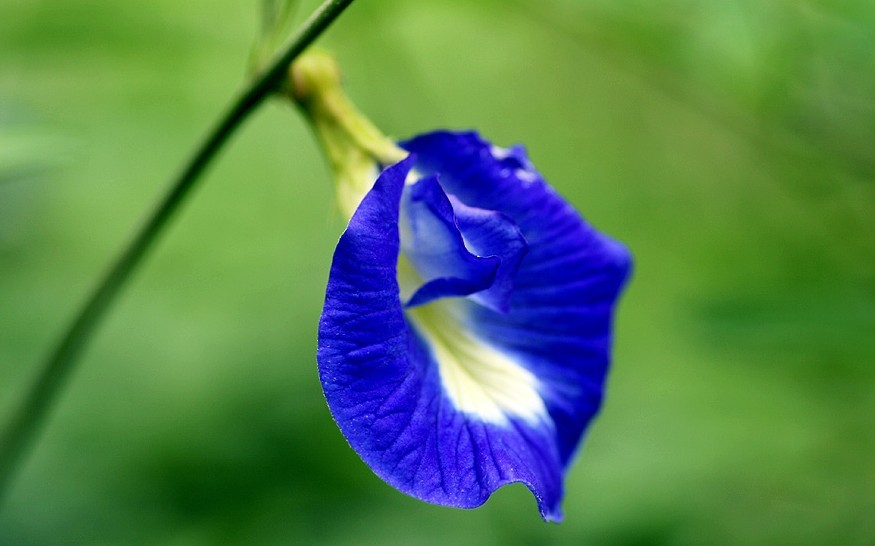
column 30, row 414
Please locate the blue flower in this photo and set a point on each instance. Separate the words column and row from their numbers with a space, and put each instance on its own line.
column 467, row 325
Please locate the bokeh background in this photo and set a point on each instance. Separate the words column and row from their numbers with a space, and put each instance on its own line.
column 728, row 143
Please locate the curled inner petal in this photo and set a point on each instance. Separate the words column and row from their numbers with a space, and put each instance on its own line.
column 487, row 232
column 451, row 249
column 432, row 242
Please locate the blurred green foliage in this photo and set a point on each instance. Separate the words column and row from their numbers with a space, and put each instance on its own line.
column 729, row 144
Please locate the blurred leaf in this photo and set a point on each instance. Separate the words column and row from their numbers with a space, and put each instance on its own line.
column 27, row 151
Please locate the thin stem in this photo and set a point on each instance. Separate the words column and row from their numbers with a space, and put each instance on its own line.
column 30, row 414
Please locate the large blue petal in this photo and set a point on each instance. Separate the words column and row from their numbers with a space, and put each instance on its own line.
column 559, row 322
column 384, row 386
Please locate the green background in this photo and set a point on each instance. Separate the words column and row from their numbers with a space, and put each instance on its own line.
column 729, row 144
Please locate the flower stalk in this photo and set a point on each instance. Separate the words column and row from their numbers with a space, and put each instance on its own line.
column 30, row 414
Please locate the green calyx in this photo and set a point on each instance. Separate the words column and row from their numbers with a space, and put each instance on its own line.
column 355, row 148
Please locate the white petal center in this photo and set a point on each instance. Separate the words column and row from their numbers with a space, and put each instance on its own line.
column 478, row 378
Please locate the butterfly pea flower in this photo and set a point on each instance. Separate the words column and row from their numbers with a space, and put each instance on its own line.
column 467, row 326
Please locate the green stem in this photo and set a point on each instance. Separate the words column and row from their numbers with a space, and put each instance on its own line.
column 29, row 415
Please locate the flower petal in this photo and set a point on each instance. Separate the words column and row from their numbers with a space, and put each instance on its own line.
column 458, row 250
column 561, row 307
column 387, row 381
column 434, row 245
column 490, row 233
